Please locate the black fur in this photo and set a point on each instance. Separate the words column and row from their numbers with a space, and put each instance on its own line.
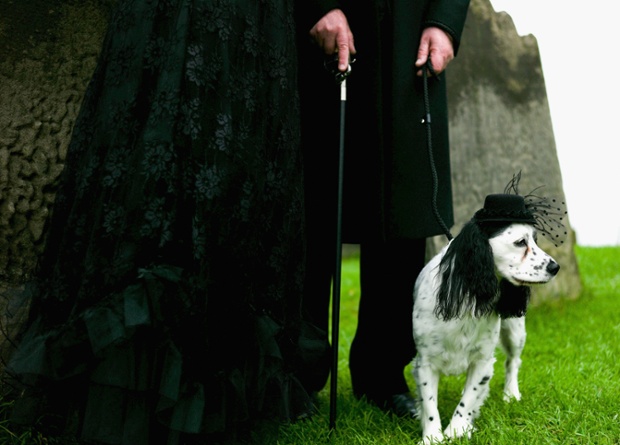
column 468, row 280
column 513, row 300
column 467, row 271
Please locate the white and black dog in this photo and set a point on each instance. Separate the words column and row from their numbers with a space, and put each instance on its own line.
column 469, row 298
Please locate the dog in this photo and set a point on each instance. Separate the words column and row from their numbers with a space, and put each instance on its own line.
column 470, row 298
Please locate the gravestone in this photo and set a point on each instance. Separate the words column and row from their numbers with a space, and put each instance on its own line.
column 500, row 125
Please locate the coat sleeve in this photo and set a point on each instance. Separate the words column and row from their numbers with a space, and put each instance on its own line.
column 448, row 15
column 310, row 11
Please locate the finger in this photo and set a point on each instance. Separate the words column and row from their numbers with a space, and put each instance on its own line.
column 329, row 46
column 422, row 55
column 420, row 63
column 343, row 58
column 345, row 49
column 434, row 62
column 421, row 60
column 324, row 41
column 423, row 51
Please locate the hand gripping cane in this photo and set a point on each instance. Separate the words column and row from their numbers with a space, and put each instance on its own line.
column 341, row 77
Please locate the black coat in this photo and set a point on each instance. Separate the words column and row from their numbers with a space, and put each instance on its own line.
column 388, row 181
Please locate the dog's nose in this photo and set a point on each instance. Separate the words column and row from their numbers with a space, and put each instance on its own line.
column 553, row 267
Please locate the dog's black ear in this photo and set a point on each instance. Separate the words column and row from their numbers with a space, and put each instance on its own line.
column 467, row 272
column 513, row 300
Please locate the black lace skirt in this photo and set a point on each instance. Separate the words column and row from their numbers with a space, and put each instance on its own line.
column 167, row 303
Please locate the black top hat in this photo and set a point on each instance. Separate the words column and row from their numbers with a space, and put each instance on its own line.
column 504, row 208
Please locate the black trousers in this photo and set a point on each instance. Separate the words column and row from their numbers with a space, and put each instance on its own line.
column 383, row 343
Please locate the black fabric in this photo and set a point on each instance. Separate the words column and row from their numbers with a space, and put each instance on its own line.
column 167, row 304
column 383, row 344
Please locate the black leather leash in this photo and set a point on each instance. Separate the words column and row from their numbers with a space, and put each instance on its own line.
column 429, row 144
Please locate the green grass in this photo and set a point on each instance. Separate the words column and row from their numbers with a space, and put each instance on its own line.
column 569, row 380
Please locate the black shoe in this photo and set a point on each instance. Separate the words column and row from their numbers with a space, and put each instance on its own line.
column 401, row 405
column 311, row 408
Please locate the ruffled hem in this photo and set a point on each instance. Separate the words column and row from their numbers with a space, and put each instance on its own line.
column 125, row 371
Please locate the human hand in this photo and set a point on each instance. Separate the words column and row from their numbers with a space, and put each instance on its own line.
column 437, row 45
column 333, row 35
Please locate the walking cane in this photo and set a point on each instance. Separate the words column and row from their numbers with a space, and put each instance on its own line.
column 342, row 79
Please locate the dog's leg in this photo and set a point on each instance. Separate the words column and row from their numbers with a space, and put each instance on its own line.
column 474, row 394
column 512, row 339
column 427, row 383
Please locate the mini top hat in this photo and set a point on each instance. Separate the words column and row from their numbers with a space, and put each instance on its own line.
column 503, row 207
column 545, row 214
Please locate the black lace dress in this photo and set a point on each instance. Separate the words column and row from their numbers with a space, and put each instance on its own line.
column 167, row 302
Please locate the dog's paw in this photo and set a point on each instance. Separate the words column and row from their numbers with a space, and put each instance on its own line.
column 511, row 395
column 457, row 428
column 433, row 439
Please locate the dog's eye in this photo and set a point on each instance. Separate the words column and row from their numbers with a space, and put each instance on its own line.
column 521, row 243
